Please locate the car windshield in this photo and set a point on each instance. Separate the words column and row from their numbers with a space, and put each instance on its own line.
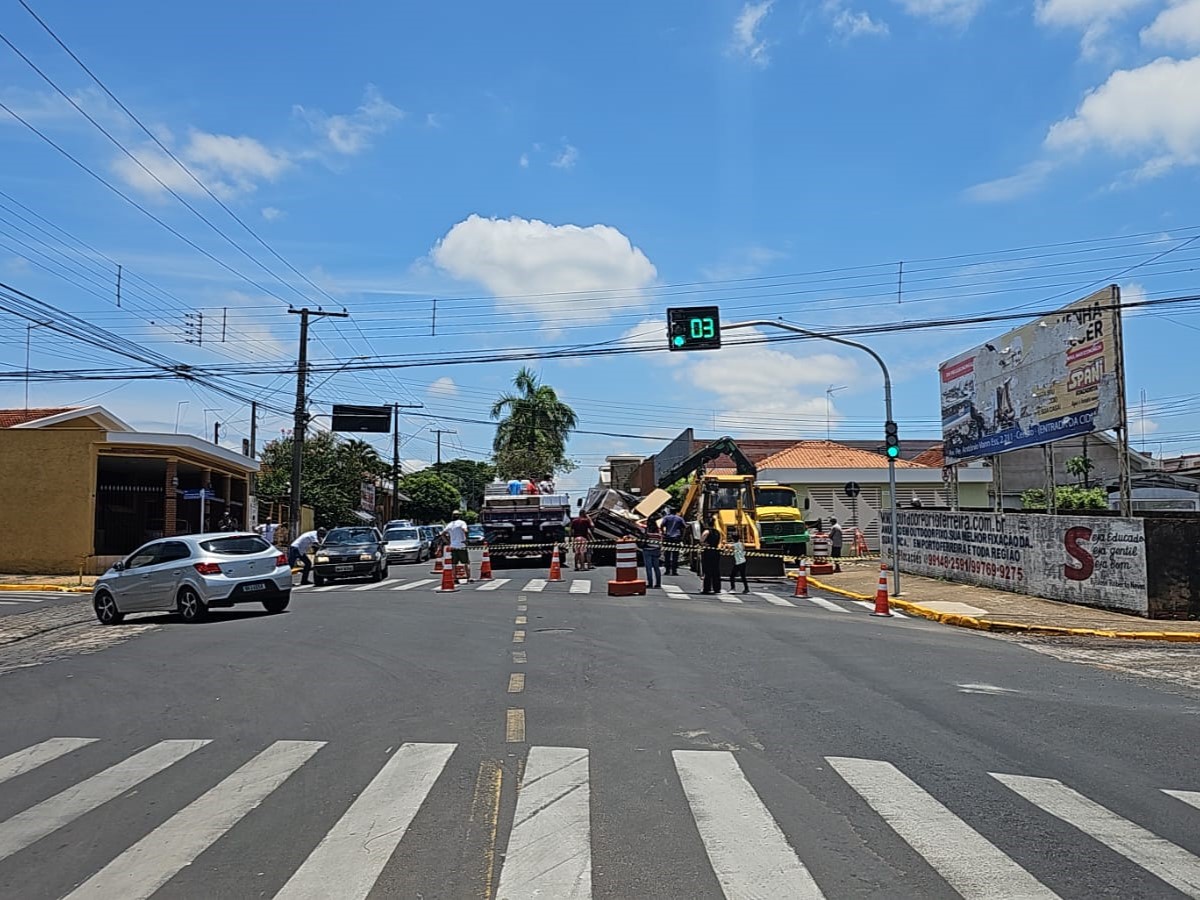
column 474, row 529
column 776, row 497
column 241, row 545
column 403, row 534
column 350, row 536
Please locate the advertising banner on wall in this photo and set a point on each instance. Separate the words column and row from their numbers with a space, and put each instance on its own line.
column 1090, row 560
column 1054, row 378
column 366, row 497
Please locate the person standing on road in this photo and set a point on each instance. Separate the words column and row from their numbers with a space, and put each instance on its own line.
column 267, row 530
column 652, row 553
column 835, row 543
column 299, row 548
column 710, row 558
column 739, row 565
column 456, row 532
column 672, row 529
column 581, row 533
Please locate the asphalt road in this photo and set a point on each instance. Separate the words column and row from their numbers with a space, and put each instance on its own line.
column 18, row 602
column 372, row 742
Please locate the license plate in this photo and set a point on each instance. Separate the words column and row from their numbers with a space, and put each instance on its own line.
column 343, row 568
column 527, row 537
column 254, row 587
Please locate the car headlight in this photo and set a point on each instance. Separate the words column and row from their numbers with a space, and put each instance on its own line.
column 365, row 557
column 322, row 559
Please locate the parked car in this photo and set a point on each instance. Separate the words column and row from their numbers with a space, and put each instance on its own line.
column 355, row 551
column 397, row 523
column 475, row 534
column 406, row 545
column 190, row 574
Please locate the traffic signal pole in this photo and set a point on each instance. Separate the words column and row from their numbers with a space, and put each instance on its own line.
column 887, row 402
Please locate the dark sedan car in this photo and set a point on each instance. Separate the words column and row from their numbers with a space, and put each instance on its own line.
column 353, row 552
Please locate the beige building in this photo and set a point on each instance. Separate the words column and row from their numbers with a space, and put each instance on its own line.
column 79, row 488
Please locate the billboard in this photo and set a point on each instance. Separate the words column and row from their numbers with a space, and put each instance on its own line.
column 370, row 419
column 366, row 497
column 673, row 454
column 1054, row 378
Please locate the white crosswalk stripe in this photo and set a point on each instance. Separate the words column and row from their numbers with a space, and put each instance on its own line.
column 549, row 849
column 325, row 587
column 38, row 821
column 494, row 585
column 1171, row 863
column 867, row 604
column 535, row 585
column 969, row 862
column 354, row 852
column 675, row 592
column 726, row 597
column 774, row 599
column 17, row 597
column 369, row 586
column 151, row 862
column 749, row 853
column 38, row 755
column 827, row 604
column 415, row 584
column 581, row 586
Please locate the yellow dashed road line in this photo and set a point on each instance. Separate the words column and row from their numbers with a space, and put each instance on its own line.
column 518, row 636
column 516, row 682
column 518, row 657
column 514, row 728
column 520, row 620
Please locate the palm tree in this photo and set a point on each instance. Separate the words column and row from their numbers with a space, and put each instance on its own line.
column 533, row 427
column 358, row 452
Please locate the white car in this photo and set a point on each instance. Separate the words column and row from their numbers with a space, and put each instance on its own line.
column 406, row 544
column 189, row 574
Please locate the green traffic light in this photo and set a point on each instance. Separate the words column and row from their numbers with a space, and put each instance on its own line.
column 893, row 452
column 678, row 340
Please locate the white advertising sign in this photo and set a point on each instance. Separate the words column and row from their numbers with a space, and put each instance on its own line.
column 1051, row 379
column 1089, row 560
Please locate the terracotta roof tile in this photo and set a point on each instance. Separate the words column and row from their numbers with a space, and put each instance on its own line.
column 931, row 457
column 11, row 417
column 829, row 455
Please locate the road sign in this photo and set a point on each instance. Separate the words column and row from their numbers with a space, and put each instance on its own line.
column 852, row 489
column 199, row 495
column 694, row 328
column 369, row 419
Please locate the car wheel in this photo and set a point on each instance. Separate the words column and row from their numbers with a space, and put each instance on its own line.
column 276, row 604
column 318, row 581
column 379, row 574
column 106, row 609
column 191, row 607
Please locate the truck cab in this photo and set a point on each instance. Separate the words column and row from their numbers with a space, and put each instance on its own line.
column 780, row 520
column 522, row 526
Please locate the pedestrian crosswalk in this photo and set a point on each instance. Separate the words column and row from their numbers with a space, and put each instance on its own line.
column 555, row 840
column 589, row 586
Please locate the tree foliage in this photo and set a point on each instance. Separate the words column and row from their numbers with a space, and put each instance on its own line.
column 532, row 429
column 333, row 473
column 1080, row 467
column 1068, row 498
column 470, row 477
column 431, row 497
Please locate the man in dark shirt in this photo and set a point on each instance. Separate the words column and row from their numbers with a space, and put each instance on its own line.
column 672, row 529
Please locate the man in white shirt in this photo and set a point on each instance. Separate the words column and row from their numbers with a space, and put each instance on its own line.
column 298, row 551
column 456, row 533
column 267, row 530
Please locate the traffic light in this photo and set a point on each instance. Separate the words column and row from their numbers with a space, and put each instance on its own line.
column 891, row 440
column 694, row 328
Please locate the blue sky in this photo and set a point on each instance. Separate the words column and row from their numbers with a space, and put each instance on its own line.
column 561, row 174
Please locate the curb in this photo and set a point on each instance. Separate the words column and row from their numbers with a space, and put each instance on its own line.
column 58, row 588
column 976, row 624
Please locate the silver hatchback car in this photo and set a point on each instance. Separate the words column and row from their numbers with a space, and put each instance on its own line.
column 190, row 573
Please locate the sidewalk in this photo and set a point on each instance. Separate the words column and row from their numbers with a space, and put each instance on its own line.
column 985, row 609
column 47, row 583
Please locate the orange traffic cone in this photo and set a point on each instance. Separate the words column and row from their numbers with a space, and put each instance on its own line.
column 448, row 583
column 802, row 581
column 555, row 567
column 437, row 565
column 882, row 607
column 485, row 566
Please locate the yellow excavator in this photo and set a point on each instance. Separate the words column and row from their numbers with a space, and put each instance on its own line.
column 729, row 500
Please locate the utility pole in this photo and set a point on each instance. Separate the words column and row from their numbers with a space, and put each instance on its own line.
column 439, row 432
column 395, row 460
column 253, row 429
column 300, row 419
column 217, row 433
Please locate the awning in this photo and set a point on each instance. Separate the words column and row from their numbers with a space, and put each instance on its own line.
column 364, row 516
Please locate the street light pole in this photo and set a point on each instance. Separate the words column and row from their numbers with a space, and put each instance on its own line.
column 887, row 401
column 29, row 331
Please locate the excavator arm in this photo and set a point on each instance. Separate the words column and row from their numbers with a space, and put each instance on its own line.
column 725, row 445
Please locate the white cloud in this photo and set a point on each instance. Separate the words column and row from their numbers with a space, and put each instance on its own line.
column 17, row 265
column 515, row 258
column 443, row 387
column 849, row 24
column 1151, row 113
column 945, row 12
column 1093, row 17
column 746, row 41
column 567, row 158
column 1176, row 26
column 351, row 133
column 742, row 263
column 523, row 162
column 228, row 165
column 1029, row 178
column 271, row 213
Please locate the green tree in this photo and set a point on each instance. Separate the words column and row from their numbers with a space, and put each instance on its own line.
column 532, row 429
column 1066, row 498
column 333, row 474
column 431, row 498
column 1081, row 467
column 470, row 477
